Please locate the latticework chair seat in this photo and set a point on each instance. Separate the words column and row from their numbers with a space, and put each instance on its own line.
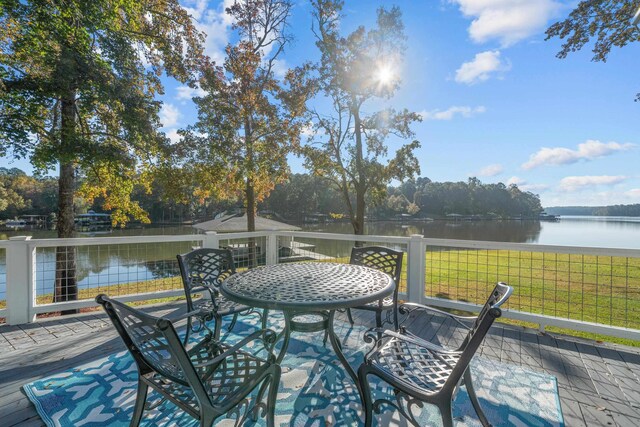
column 222, row 382
column 411, row 363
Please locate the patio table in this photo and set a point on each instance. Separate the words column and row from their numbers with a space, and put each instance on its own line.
column 309, row 294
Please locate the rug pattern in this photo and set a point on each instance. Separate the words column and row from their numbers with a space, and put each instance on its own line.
column 314, row 391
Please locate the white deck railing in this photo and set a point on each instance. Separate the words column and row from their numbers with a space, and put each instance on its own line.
column 594, row 290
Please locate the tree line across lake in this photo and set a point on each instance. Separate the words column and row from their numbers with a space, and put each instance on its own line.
column 615, row 210
column 301, row 196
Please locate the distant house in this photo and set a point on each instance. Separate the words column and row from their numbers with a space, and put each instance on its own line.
column 92, row 218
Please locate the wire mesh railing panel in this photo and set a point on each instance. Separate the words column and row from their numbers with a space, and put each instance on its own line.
column 247, row 252
column 309, row 249
column 591, row 288
column 81, row 272
column 3, row 280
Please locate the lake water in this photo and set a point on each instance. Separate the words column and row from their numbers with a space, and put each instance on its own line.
column 607, row 232
column 101, row 266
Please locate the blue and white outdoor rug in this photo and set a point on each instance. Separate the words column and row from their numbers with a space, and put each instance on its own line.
column 314, row 391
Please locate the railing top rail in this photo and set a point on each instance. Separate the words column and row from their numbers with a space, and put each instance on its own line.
column 398, row 240
column 531, row 247
column 348, row 237
column 244, row 234
column 90, row 241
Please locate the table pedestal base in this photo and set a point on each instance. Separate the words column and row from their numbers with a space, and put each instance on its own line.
column 314, row 322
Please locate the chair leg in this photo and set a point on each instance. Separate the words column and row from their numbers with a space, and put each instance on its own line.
column 447, row 415
column 141, row 399
column 186, row 335
column 474, row 398
column 349, row 316
column 367, row 404
column 218, row 327
column 273, row 395
column 207, row 419
column 265, row 315
column 233, row 322
column 378, row 318
column 396, row 325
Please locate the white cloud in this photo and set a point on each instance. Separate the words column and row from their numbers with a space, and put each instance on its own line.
column 525, row 186
column 588, row 150
column 280, row 68
column 307, row 129
column 590, row 198
column 491, row 170
column 515, row 180
column 215, row 23
column 534, row 188
column 451, row 112
column 507, row 21
column 169, row 115
column 577, row 183
column 186, row 93
column 634, row 192
column 483, row 65
column 173, row 135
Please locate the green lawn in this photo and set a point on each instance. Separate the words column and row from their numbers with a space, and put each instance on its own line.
column 599, row 289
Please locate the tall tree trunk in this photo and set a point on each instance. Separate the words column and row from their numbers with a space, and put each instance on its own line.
column 66, row 286
column 360, row 185
column 250, row 195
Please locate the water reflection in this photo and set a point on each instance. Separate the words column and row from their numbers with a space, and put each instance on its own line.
column 500, row 231
column 112, row 264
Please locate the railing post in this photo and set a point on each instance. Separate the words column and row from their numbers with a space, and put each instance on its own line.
column 20, row 275
column 272, row 248
column 416, row 268
column 211, row 240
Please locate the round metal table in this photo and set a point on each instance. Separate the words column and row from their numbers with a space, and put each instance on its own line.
column 309, row 294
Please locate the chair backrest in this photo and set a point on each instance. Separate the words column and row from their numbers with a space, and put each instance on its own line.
column 500, row 294
column 154, row 344
column 204, row 266
column 475, row 338
column 380, row 258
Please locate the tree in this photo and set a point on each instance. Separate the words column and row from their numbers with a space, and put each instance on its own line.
column 26, row 195
column 249, row 120
column 9, row 197
column 77, row 87
column 609, row 22
column 349, row 147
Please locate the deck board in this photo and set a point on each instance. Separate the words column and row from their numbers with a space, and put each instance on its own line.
column 599, row 383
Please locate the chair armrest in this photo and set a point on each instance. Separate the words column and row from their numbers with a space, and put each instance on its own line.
column 420, row 342
column 268, row 336
column 205, row 287
column 408, row 307
column 204, row 315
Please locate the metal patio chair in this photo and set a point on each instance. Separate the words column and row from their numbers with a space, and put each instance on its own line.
column 202, row 272
column 208, row 380
column 423, row 372
column 389, row 261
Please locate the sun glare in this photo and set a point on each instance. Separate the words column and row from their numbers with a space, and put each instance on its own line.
column 385, row 74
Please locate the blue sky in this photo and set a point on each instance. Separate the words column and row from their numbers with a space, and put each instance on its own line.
column 496, row 102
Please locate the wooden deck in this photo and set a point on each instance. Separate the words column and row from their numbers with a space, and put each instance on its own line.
column 599, row 383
